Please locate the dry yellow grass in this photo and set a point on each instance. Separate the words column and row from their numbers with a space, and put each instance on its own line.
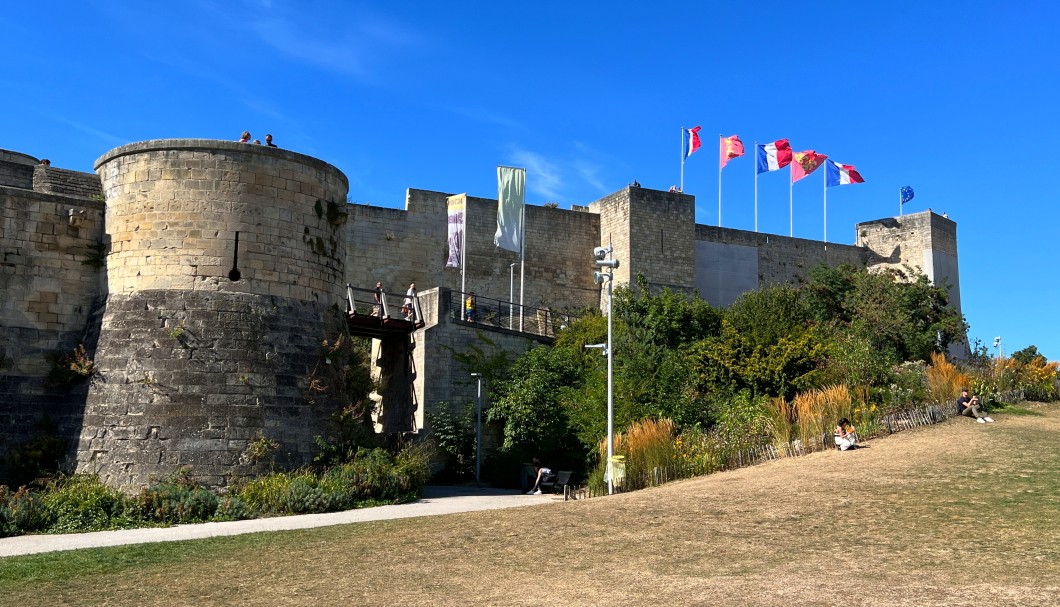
column 955, row 514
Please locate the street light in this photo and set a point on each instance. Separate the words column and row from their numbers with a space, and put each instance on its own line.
column 604, row 261
column 997, row 345
column 478, row 429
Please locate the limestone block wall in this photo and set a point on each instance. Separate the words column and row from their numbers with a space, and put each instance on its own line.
column 16, row 169
column 924, row 240
column 402, row 246
column 198, row 361
column 730, row 262
column 444, row 379
column 50, row 276
column 175, row 205
column 64, row 181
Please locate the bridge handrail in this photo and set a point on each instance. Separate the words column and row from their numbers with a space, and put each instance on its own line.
column 363, row 301
column 509, row 315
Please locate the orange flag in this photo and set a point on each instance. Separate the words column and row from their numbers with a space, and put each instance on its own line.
column 731, row 147
column 804, row 163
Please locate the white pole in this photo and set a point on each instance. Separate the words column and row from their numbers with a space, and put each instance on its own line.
column 899, row 202
column 682, row 159
column 754, row 167
column 719, row 179
column 478, row 429
column 463, row 253
column 824, row 182
column 791, row 206
column 522, row 261
column 610, row 390
column 511, row 292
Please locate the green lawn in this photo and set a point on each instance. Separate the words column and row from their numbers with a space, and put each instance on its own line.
column 954, row 514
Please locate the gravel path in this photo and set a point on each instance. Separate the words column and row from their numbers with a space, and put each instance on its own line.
column 436, row 501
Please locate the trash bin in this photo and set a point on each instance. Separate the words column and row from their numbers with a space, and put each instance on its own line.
column 617, row 470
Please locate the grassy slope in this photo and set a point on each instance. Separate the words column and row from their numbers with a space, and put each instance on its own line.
column 958, row 514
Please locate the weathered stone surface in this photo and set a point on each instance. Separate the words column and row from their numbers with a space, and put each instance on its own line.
column 204, row 417
column 195, row 366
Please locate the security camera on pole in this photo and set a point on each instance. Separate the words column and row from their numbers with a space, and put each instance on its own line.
column 605, row 260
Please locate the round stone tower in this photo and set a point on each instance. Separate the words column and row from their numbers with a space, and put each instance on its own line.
column 224, row 279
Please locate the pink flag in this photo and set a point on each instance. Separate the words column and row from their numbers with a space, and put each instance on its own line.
column 804, row 163
column 731, row 147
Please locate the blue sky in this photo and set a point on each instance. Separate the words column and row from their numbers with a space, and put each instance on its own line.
column 956, row 99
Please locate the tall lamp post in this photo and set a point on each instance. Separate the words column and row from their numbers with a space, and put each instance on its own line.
column 478, row 429
column 605, row 261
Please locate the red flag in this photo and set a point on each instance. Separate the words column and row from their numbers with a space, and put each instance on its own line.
column 804, row 163
column 731, row 147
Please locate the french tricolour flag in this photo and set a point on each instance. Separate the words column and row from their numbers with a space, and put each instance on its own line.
column 774, row 156
column 692, row 142
column 841, row 174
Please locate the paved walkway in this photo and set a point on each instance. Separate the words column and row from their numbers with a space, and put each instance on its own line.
column 436, row 501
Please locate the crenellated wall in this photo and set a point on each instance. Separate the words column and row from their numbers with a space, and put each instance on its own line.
column 202, row 348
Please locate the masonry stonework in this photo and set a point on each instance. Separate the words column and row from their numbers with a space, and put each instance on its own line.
column 203, row 347
column 50, row 271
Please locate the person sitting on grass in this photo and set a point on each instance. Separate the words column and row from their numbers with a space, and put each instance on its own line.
column 845, row 435
column 971, row 407
column 542, row 472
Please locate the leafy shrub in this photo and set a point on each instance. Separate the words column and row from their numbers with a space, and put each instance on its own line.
column 21, row 512
column 177, row 499
column 82, row 503
column 453, row 433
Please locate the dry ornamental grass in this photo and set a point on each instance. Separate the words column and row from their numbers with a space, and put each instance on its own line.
column 954, row 514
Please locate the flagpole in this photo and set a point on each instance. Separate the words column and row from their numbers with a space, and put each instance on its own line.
column 824, row 183
column 522, row 259
column 754, row 167
column 719, row 179
column 899, row 202
column 791, row 203
column 682, row 159
column 463, row 251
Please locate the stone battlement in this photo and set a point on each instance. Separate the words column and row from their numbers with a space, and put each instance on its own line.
column 203, row 346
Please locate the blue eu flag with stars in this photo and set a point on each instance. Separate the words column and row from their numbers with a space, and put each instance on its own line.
column 907, row 194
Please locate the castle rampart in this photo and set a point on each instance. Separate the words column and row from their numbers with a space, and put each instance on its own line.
column 203, row 350
column 402, row 246
column 50, row 264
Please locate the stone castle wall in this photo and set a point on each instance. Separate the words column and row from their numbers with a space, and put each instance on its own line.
column 730, row 262
column 16, row 169
column 402, row 246
column 50, row 274
column 196, row 361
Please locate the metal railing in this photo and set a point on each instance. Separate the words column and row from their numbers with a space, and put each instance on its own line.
column 504, row 314
column 384, row 305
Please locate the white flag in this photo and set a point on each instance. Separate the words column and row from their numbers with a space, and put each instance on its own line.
column 511, row 189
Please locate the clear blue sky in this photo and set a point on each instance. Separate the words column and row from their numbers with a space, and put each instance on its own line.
column 956, row 99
